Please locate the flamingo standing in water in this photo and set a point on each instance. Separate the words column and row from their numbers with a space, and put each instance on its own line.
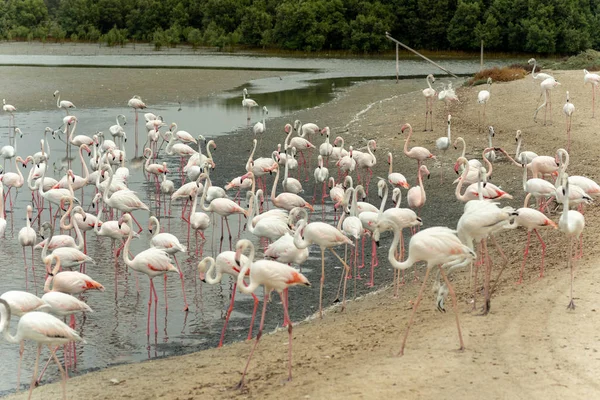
column 301, row 144
column 8, row 152
column 247, row 102
column 64, row 104
column 272, row 275
column 594, row 81
column 152, row 262
column 42, row 328
column 430, row 95
column 27, row 238
column 416, row 153
column 261, row 127
column 438, row 246
column 12, row 179
column 225, row 264
column 568, row 110
column 170, row 244
column 10, row 109
column 137, row 104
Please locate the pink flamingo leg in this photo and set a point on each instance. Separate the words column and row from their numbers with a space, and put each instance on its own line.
column 284, row 302
column 543, row 252
column 149, row 305
column 258, row 336
column 525, row 258
column 412, row 315
column 185, row 306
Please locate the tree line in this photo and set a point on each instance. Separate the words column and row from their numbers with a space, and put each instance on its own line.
column 358, row 26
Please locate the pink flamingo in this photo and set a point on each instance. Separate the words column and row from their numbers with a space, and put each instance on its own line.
column 568, row 110
column 532, row 220
column 10, row 109
column 170, row 244
column 125, row 201
column 272, row 275
column 416, row 195
column 338, row 152
column 301, row 144
column 225, row 264
column 12, row 179
column 287, row 201
column 326, row 237
column 221, row 206
column 152, row 262
column 64, row 104
column 395, row 179
column 247, row 102
column 546, row 85
column 416, row 153
column 367, row 162
column 346, row 164
column 321, row 174
column 27, row 238
column 438, row 246
column 593, row 80
column 199, row 221
column 71, row 282
column 137, row 104
column 571, row 223
column 429, row 94
column 42, row 328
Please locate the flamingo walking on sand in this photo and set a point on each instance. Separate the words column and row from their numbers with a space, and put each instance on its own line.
column 416, row 194
column 152, row 262
column 571, row 223
column 272, row 275
column 416, row 153
column 42, row 328
column 438, row 246
column 532, row 220
column 594, row 81
column 568, row 110
column 225, row 264
column 430, row 95
column 482, row 98
column 547, row 85
column 64, row 104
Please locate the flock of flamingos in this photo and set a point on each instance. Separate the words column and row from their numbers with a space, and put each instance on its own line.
column 286, row 230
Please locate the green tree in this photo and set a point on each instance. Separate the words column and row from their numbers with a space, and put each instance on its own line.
column 489, row 32
column 194, row 37
column 461, row 30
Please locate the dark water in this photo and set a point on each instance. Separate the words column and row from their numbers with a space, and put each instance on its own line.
column 116, row 331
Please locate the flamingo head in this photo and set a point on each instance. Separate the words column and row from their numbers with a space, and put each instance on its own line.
column 287, row 128
column 404, row 127
column 86, row 147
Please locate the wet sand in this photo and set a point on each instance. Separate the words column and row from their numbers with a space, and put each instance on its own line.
column 529, row 346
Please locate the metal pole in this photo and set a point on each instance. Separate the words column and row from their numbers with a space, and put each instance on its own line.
column 481, row 58
column 387, row 35
column 397, row 65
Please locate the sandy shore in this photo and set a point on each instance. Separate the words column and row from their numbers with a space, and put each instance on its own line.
column 529, row 346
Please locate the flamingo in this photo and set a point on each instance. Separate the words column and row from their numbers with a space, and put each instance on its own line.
column 247, row 102
column 64, row 104
column 491, row 154
column 125, row 201
column 540, row 75
column 42, row 156
column 199, row 221
column 546, row 85
column 438, row 246
column 482, row 98
column 261, row 127
column 529, row 155
column 338, row 153
column 76, row 181
column 69, row 256
column 568, row 110
column 306, row 129
column 287, row 201
column 321, row 175
column 272, row 275
column 395, row 179
column 284, row 251
column 352, row 227
column 270, row 228
column 416, row 153
column 12, row 179
column 117, row 130
column 366, row 161
column 225, row 264
column 10, row 109
column 152, row 262
column 443, row 143
column 301, row 144
column 183, row 136
column 221, row 206
column 71, row 282
column 429, row 94
column 8, row 152
column 346, row 164
column 137, row 104
column 571, row 223
column 326, row 237
column 476, row 164
column 593, row 80
column 42, row 328
column 27, row 238
column 326, row 149
column 416, row 195
column 170, row 244
column 290, row 185
column 532, row 220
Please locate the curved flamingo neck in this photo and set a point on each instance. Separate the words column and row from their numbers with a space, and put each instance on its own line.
column 383, row 200
column 245, row 268
column 86, row 173
column 429, row 81
column 421, row 186
column 5, row 315
column 391, row 257
column 156, row 224
column 518, row 150
column 58, row 100
column 299, row 241
column 97, row 224
column 287, row 139
column 126, row 258
column 208, row 153
column 390, row 157
column 212, row 268
column 249, row 162
column 274, row 188
column 461, row 181
column 410, row 131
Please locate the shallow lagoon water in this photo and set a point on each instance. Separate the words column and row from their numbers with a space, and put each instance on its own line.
column 116, row 331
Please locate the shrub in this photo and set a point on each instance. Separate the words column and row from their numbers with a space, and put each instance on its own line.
column 504, row 74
